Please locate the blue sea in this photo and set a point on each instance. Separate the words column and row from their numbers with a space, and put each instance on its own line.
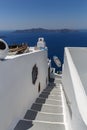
column 55, row 41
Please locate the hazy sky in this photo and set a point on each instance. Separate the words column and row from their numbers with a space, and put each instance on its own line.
column 52, row 14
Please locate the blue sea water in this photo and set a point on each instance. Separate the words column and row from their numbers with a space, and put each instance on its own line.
column 54, row 41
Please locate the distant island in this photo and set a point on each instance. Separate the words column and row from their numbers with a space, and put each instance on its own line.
column 44, row 30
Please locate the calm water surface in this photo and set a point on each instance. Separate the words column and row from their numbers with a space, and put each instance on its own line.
column 54, row 41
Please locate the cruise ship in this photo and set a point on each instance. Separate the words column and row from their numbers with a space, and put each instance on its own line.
column 34, row 97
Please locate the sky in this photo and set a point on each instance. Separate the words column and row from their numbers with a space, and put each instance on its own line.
column 50, row 14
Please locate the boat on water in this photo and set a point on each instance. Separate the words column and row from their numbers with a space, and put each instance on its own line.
column 34, row 97
column 57, row 61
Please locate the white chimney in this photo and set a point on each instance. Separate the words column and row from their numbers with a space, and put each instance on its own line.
column 41, row 43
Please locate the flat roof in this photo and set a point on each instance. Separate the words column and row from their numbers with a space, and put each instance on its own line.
column 31, row 50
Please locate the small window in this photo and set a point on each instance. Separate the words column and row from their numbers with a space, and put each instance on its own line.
column 40, row 39
column 34, row 74
column 39, row 88
column 2, row 45
column 46, row 81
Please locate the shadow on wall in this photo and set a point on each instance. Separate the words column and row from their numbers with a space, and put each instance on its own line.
column 31, row 114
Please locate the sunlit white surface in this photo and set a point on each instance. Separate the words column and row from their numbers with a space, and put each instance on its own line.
column 17, row 92
column 73, row 71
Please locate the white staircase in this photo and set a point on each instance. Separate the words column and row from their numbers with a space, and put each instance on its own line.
column 47, row 112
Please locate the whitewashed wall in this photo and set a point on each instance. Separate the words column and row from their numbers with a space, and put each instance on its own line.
column 75, row 94
column 17, row 93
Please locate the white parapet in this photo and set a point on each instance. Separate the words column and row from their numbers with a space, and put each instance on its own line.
column 75, row 81
column 17, row 88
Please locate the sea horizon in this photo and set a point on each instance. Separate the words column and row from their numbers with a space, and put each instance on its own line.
column 7, row 30
column 55, row 41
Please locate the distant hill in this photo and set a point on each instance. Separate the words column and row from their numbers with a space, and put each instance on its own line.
column 44, row 30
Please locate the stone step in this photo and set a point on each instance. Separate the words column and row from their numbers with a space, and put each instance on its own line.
column 48, row 101
column 57, row 86
column 52, row 90
column 51, row 93
column 33, row 115
column 57, row 97
column 37, row 125
column 46, row 108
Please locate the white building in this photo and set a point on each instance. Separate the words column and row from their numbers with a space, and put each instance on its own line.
column 74, row 81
